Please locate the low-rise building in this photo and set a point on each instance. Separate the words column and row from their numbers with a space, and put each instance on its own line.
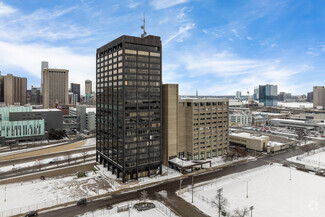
column 19, row 129
column 256, row 142
column 299, row 124
column 240, row 118
column 249, row 141
column 52, row 117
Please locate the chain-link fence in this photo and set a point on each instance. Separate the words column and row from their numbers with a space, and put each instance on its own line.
column 311, row 153
column 37, row 206
column 106, row 212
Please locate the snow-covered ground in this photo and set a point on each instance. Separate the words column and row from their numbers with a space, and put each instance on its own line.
column 45, row 161
column 37, row 193
column 167, row 173
column 90, row 142
column 160, row 211
column 296, row 104
column 269, row 190
column 313, row 159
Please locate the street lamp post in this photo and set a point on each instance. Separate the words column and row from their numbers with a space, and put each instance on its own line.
column 180, row 185
column 290, row 172
column 192, row 186
column 247, row 189
column 251, row 208
column 5, row 194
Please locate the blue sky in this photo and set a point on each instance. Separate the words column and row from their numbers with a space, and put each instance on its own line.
column 216, row 46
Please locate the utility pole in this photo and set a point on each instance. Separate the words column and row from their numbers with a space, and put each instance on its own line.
column 5, row 193
column 192, row 187
column 180, row 185
column 247, row 189
column 290, row 172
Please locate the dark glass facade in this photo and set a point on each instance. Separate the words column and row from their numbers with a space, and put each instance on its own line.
column 75, row 89
column 128, row 94
column 268, row 94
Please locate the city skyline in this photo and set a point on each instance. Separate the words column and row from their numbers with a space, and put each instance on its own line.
column 215, row 47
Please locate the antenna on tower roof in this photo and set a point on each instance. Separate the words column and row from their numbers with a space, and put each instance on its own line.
column 143, row 26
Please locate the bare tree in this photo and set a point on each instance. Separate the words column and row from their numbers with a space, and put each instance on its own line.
column 84, row 155
column 321, row 144
column 220, row 202
column 301, row 135
column 241, row 212
column 144, row 195
column 230, row 155
column 39, row 164
column 313, row 146
column 68, row 158
column 157, row 195
column 306, row 148
column 56, row 161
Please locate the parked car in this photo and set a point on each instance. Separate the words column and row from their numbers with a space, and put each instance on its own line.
column 82, row 201
column 31, row 213
column 109, row 207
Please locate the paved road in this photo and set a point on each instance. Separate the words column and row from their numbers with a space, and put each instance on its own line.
column 177, row 204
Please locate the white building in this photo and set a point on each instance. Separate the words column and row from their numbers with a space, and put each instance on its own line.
column 87, row 117
column 240, row 118
column 308, row 125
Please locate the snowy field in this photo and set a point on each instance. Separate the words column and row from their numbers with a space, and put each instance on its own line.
column 167, row 173
column 90, row 142
column 269, row 190
column 296, row 104
column 314, row 159
column 37, row 193
column 47, row 161
column 160, row 211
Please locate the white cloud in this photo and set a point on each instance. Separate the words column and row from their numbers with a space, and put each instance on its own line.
column 41, row 24
column 6, row 9
column 249, row 38
column 29, row 57
column 231, row 72
column 134, row 4
column 162, row 4
column 236, row 33
column 181, row 34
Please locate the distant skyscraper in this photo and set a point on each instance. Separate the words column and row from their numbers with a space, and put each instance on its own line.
column 256, row 93
column 13, row 90
column 310, row 97
column 238, row 94
column 128, row 94
column 281, row 96
column 319, row 96
column 75, row 89
column 55, row 87
column 44, row 65
column 88, row 87
column 35, row 98
column 268, row 94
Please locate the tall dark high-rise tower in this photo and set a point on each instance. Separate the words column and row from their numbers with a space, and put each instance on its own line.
column 75, row 89
column 128, row 88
